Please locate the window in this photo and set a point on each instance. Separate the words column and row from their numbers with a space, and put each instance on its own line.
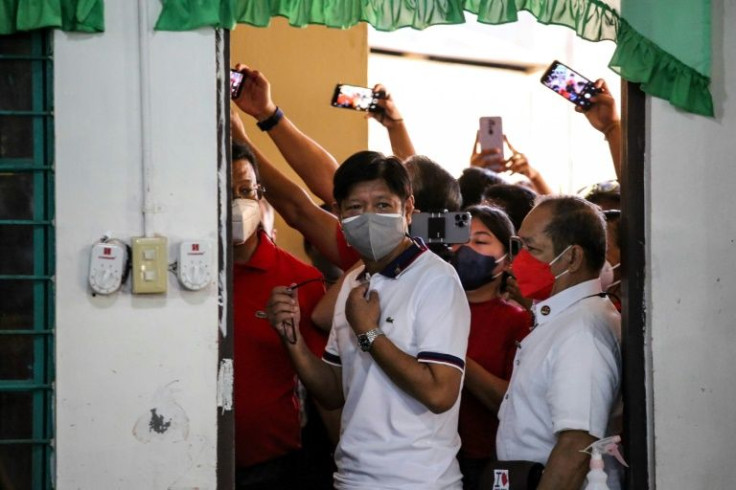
column 26, row 262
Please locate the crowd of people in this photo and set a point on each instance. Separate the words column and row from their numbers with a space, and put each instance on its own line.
column 389, row 363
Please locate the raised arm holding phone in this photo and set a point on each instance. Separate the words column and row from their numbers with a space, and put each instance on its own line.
column 493, row 159
column 603, row 116
column 312, row 162
column 393, row 121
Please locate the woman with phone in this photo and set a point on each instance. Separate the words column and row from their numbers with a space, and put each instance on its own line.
column 496, row 327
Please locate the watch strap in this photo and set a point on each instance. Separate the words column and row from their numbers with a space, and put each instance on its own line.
column 271, row 120
column 365, row 340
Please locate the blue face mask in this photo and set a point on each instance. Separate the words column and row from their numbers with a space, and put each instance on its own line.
column 474, row 269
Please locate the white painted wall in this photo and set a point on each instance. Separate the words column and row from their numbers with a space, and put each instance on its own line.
column 119, row 357
column 691, row 275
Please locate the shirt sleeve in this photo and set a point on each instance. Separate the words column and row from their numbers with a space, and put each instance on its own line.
column 442, row 321
column 332, row 352
column 584, row 382
column 332, row 349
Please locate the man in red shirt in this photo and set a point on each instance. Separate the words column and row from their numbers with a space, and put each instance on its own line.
column 268, row 424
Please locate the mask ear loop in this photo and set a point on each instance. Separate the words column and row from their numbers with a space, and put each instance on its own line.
column 557, row 258
column 498, row 262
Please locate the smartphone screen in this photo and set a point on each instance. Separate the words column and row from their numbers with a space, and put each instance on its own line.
column 356, row 98
column 236, row 83
column 569, row 84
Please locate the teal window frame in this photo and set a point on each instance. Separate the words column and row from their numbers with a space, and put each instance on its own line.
column 40, row 384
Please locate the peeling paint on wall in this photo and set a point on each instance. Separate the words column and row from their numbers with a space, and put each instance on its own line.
column 225, row 385
column 165, row 420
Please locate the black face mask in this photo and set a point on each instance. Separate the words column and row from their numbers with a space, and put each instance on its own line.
column 474, row 269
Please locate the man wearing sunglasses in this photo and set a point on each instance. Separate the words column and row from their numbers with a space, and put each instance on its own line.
column 567, row 371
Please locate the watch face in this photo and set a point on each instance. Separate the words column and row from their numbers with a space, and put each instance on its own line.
column 364, row 342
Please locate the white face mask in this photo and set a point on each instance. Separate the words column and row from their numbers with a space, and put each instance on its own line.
column 246, row 217
column 374, row 235
column 607, row 277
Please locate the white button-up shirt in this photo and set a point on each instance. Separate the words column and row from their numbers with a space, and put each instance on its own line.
column 567, row 374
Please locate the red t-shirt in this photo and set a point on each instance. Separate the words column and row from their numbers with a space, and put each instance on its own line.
column 267, row 423
column 495, row 328
column 348, row 255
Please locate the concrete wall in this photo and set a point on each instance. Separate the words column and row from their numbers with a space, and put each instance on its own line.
column 692, row 278
column 123, row 356
column 303, row 66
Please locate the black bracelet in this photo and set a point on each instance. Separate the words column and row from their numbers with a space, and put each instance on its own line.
column 271, row 120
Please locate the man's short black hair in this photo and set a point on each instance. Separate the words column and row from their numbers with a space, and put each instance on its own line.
column 435, row 189
column 606, row 194
column 516, row 200
column 365, row 166
column 241, row 151
column 496, row 220
column 613, row 221
column 473, row 183
column 575, row 221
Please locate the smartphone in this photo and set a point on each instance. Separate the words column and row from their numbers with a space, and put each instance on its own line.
column 448, row 227
column 490, row 135
column 236, row 83
column 569, row 84
column 356, row 98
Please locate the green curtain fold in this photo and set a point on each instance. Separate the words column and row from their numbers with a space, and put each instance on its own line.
column 384, row 15
column 68, row 15
column 662, row 44
column 637, row 58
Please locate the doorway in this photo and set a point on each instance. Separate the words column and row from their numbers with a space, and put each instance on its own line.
column 305, row 82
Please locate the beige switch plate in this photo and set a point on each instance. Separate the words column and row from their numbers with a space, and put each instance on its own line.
column 150, row 265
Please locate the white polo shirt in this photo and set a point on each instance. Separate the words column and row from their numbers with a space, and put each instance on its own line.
column 567, row 374
column 389, row 440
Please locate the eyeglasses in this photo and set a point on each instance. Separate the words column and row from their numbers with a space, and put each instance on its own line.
column 515, row 246
column 253, row 193
column 612, row 214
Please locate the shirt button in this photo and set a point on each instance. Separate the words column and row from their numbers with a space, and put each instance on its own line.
column 506, row 397
column 518, row 362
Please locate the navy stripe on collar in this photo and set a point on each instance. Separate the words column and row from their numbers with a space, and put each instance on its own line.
column 405, row 259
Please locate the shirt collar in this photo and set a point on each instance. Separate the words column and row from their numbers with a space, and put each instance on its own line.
column 404, row 260
column 545, row 311
column 265, row 254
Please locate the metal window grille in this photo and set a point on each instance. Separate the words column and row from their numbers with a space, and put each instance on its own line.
column 26, row 262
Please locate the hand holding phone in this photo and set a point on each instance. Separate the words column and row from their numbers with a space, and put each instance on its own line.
column 570, row 84
column 490, row 138
column 356, row 98
column 237, row 79
column 450, row 227
column 251, row 92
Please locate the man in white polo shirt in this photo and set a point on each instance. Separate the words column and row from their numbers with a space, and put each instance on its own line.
column 567, row 371
column 395, row 357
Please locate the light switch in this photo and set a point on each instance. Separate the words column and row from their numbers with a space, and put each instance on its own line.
column 150, row 265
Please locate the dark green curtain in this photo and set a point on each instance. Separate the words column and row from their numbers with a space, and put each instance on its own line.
column 69, row 15
column 662, row 44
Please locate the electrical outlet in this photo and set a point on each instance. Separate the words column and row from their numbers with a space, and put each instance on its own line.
column 150, row 265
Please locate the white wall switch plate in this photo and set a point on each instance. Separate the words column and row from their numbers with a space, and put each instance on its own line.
column 150, row 265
